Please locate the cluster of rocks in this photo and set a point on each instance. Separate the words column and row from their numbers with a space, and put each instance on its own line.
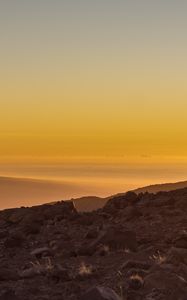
column 134, row 248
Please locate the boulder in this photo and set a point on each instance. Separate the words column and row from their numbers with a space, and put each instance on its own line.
column 158, row 294
column 58, row 210
column 181, row 241
column 114, row 239
column 117, row 239
column 100, row 293
column 91, row 234
column 176, row 256
column 14, row 216
column 135, row 282
column 8, row 274
column 86, row 219
column 30, row 272
column 31, row 222
column 120, row 202
column 133, row 213
column 172, row 284
column 57, row 273
column 40, row 252
column 8, row 294
column 3, row 234
column 131, row 264
column 15, row 240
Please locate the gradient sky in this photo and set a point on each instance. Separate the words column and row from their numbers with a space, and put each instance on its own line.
column 93, row 80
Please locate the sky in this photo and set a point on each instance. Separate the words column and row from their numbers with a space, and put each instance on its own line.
column 91, row 90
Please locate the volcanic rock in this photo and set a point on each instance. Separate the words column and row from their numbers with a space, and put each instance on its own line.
column 39, row 252
column 135, row 245
column 120, row 202
column 100, row 293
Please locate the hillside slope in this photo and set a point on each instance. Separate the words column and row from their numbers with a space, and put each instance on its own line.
column 136, row 245
column 89, row 203
column 162, row 187
column 27, row 192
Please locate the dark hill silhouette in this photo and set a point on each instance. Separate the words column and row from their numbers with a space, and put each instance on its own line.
column 89, row 203
column 162, row 187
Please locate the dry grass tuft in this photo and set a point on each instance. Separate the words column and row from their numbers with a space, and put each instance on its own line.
column 85, row 270
column 137, row 277
column 158, row 258
column 42, row 267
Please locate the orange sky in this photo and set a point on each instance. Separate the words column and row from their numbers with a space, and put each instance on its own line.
column 94, row 82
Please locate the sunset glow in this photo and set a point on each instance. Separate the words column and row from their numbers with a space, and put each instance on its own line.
column 94, row 92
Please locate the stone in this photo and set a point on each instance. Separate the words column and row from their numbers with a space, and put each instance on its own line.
column 121, row 201
column 91, row 234
column 100, row 293
column 133, row 264
column 3, row 234
column 7, row 274
column 117, row 239
column 169, row 282
column 181, row 241
column 39, row 252
column 176, row 256
column 8, row 294
column 30, row 273
column 57, row 273
column 15, row 240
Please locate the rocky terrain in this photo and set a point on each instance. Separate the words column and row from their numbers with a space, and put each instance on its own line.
column 92, row 203
column 164, row 187
column 134, row 248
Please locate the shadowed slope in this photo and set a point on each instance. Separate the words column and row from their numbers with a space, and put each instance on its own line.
column 89, row 203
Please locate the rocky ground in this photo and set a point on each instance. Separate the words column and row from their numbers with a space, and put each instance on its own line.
column 134, row 248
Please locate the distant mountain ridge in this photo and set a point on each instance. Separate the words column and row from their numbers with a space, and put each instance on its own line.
column 15, row 192
column 166, row 187
column 29, row 192
column 89, row 203
column 93, row 203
